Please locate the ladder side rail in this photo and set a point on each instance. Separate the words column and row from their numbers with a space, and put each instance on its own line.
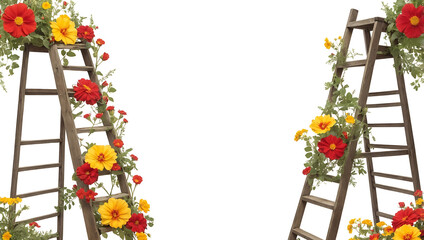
column 73, row 142
column 344, row 181
column 408, row 126
column 111, row 134
column 61, row 179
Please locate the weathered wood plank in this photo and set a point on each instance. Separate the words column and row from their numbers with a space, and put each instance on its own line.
column 392, row 176
column 37, row 167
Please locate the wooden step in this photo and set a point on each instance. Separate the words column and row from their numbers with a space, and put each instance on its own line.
column 397, row 177
column 394, row 189
column 51, row 215
column 94, row 129
column 383, row 93
column 385, row 215
column 79, row 68
column 33, row 48
column 380, row 105
column 319, row 201
column 37, row 167
column 35, row 91
column 360, row 63
column 388, row 146
column 305, row 234
column 44, row 141
column 76, row 46
column 386, row 125
column 36, row 193
column 100, row 200
column 367, row 24
column 383, row 154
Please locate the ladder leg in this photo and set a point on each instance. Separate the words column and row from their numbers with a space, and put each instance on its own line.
column 61, row 178
column 408, row 126
column 19, row 123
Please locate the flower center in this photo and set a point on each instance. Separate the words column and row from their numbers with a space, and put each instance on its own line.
column 115, row 214
column 407, row 237
column 137, row 222
column 404, row 218
column 19, row 21
column 87, row 173
column 414, row 20
column 63, row 31
column 87, row 88
column 323, row 125
column 101, row 157
column 86, row 33
column 332, row 146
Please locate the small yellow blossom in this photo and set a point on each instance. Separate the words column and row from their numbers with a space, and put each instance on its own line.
column 380, row 224
column 144, row 206
column 340, row 37
column 367, row 222
column 350, row 228
column 6, row 236
column 419, row 201
column 352, row 221
column 349, row 119
column 322, row 124
column 327, row 43
column 388, row 231
column 141, row 236
column 46, row 5
column 299, row 134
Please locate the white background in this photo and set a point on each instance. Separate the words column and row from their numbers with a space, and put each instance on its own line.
column 214, row 92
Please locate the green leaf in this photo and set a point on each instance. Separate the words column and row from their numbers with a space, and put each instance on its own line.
column 65, row 62
column 308, row 155
column 71, row 54
column 14, row 57
column 63, row 52
column 112, row 89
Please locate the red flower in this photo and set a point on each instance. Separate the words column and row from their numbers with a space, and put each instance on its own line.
column 100, row 42
column 405, row 216
column 401, row 204
column 116, row 167
column 19, row 20
column 345, row 135
column 422, row 233
column 34, row 224
column 81, row 193
column 418, row 193
column 134, row 157
column 118, row 143
column 99, row 115
column 332, row 147
column 137, row 179
column 105, row 99
column 125, row 120
column 90, row 195
column 411, row 21
column 374, row 236
column 65, row 3
column 105, row 56
column 87, row 115
column 122, row 112
column 87, row 91
column 87, row 174
column 420, row 213
column 85, row 32
column 74, row 186
column 110, row 108
column 105, row 84
column 137, row 223
column 306, row 171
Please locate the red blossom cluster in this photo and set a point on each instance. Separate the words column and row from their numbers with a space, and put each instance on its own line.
column 408, row 216
column 87, row 174
column 137, row 223
column 88, row 195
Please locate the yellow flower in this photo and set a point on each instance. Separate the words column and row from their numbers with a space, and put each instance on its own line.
column 349, row 228
column 349, row 119
column 115, row 213
column 419, row 201
column 388, row 231
column 407, row 232
column 352, row 221
column 380, row 224
column 299, row 134
column 144, row 206
column 322, row 124
column 46, row 5
column 64, row 30
column 141, row 236
column 101, row 157
column 367, row 222
column 6, row 236
column 327, row 43
column 340, row 37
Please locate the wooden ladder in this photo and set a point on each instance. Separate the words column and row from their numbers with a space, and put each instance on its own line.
column 67, row 125
column 377, row 26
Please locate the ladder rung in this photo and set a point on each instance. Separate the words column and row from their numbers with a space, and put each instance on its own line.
column 394, row 189
column 100, row 200
column 32, row 194
column 388, row 146
column 40, row 141
column 365, row 24
column 384, row 93
column 385, row 215
column 107, row 172
column 34, row 91
column 386, row 125
column 319, row 201
column 53, row 165
column 386, row 175
column 305, row 234
column 383, row 154
column 380, row 105
column 94, row 129
column 76, row 46
column 52, row 215
column 361, row 63
column 33, row 48
column 79, row 68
